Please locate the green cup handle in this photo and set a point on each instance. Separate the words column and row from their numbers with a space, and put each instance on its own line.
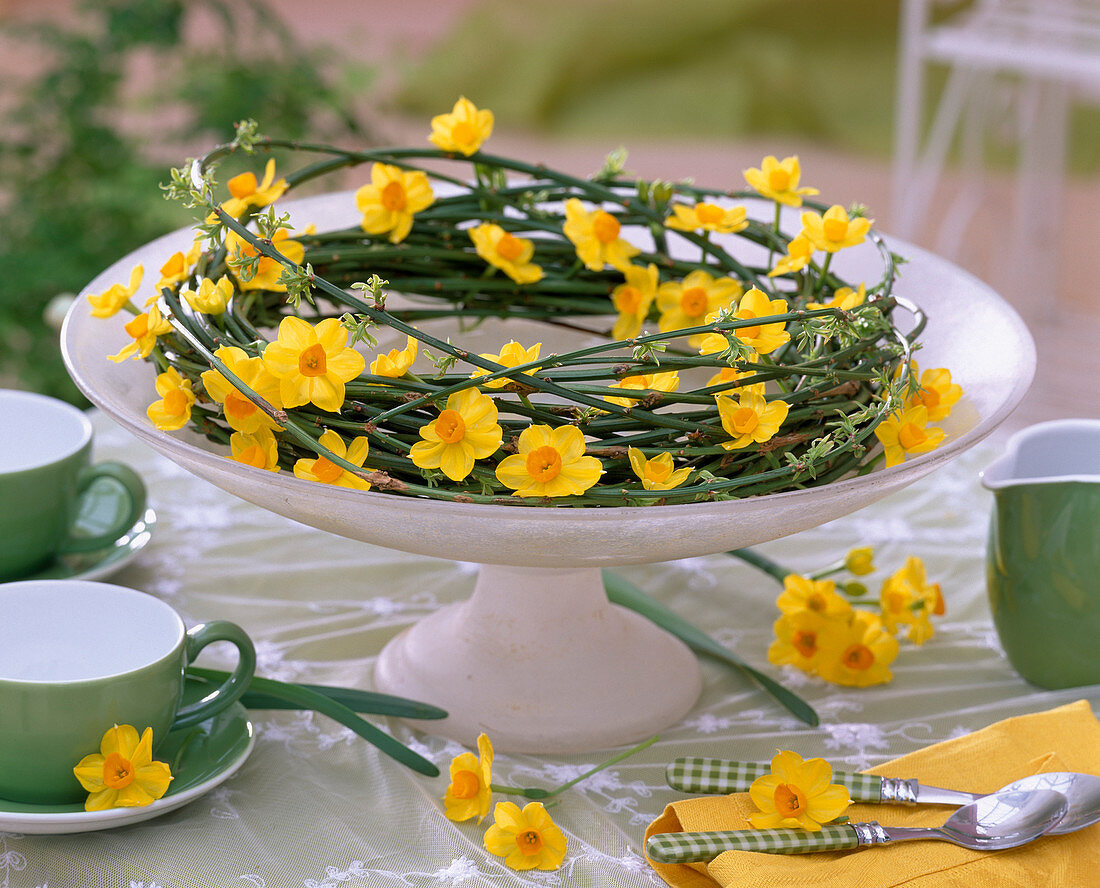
column 134, row 488
column 230, row 690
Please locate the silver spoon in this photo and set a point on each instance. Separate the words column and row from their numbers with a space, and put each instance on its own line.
column 1001, row 820
column 1082, row 792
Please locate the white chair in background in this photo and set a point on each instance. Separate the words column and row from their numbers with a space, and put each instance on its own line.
column 1014, row 67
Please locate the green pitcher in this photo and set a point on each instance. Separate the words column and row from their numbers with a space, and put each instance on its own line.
column 1043, row 558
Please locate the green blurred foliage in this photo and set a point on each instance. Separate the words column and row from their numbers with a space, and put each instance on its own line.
column 79, row 174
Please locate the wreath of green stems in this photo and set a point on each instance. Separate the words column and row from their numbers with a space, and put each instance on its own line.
column 837, row 372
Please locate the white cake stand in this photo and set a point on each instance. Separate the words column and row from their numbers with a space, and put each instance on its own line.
column 538, row 657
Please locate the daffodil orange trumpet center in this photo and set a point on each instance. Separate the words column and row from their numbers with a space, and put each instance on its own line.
column 779, row 179
column 693, row 301
column 805, row 643
column 393, row 197
column 606, row 227
column 450, row 426
column 835, row 229
column 326, row 471
column 911, row 435
column 544, row 464
column 313, row 361
column 118, row 772
column 529, row 842
column 509, row 247
column 744, row 420
column 465, row 785
column 790, row 801
column 629, row 299
column 858, row 656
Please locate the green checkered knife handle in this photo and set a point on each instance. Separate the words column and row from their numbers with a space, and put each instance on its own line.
column 694, row 847
column 696, row 774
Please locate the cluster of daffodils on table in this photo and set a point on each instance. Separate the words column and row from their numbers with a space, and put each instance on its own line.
column 720, row 356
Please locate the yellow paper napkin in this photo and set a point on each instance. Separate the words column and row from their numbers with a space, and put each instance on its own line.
column 1062, row 739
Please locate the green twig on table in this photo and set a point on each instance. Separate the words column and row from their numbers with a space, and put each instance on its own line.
column 771, row 568
column 621, row 592
column 306, row 698
column 533, row 792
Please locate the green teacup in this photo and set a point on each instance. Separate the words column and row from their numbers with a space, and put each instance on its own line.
column 1043, row 559
column 46, row 479
column 77, row 658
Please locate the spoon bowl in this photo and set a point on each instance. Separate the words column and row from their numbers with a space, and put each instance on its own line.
column 1003, row 819
column 1082, row 792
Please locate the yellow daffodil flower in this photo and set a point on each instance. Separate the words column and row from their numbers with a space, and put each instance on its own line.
column 241, row 414
column 727, row 375
column 906, row 431
column 859, row 653
column 259, row 449
column 247, row 192
column 392, row 198
column 144, row 328
column 466, row 430
column 799, row 253
column 397, row 361
column 908, row 598
column 108, row 303
column 123, row 774
column 526, row 839
column 750, row 419
column 657, row 382
column 173, row 410
column 834, row 230
column 327, row 472
column 937, row 394
column 657, row 473
column 689, row 302
column 268, row 270
column 512, row 355
column 761, row 338
column 797, row 794
column 820, row 596
column 595, row 234
column 464, row 130
column 844, row 298
column 859, row 561
column 708, row 217
column 178, row 267
column 550, row 462
column 505, row 251
column 798, row 636
column 633, row 299
column 211, row 298
column 312, row 363
column 778, row 180
column 469, row 794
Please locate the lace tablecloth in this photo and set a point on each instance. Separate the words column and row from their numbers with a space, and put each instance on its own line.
column 315, row 806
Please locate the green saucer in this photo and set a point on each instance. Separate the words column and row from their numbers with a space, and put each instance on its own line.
column 201, row 758
column 102, row 562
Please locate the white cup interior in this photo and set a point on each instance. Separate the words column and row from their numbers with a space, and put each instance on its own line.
column 73, row 630
column 37, row 431
column 1060, row 450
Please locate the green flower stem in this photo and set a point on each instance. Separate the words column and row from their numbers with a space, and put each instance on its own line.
column 306, row 698
column 624, row 593
column 536, row 793
column 771, row 568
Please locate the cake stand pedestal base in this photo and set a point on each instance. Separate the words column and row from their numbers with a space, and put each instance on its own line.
column 542, row 662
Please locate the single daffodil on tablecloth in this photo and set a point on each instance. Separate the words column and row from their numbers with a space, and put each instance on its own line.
column 173, row 410
column 797, row 794
column 798, row 637
column 465, row 431
column 312, row 362
column 908, row 599
column 503, row 250
column 526, row 839
column 803, row 593
column 859, row 653
column 327, row 472
column 123, row 774
column 595, row 234
column 392, row 198
column 550, row 462
column 108, row 303
column 778, row 180
column 464, row 130
column 470, row 794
